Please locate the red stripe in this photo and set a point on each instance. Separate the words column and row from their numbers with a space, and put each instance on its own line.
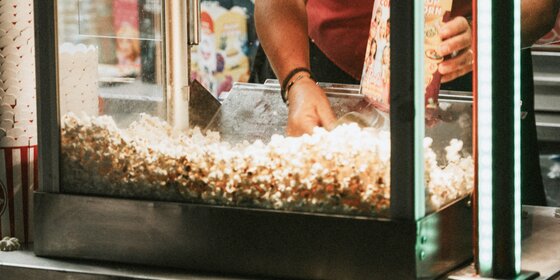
column 1, row 214
column 475, row 134
column 10, row 186
column 25, row 190
column 35, row 168
column 17, row 147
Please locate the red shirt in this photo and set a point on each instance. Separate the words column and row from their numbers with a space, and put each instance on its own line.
column 341, row 29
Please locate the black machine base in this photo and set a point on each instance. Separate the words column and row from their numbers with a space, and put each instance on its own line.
column 252, row 242
column 463, row 275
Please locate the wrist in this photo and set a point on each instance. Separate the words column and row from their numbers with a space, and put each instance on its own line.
column 290, row 79
column 299, row 81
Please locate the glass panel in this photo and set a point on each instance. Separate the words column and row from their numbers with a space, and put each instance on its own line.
column 448, row 146
column 126, row 19
column 122, row 72
column 239, row 157
column 227, row 46
column 111, row 72
column 449, row 165
column 550, row 172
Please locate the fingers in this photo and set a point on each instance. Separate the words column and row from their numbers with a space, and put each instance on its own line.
column 454, row 27
column 452, row 76
column 326, row 115
column 302, row 118
column 300, row 126
column 456, row 74
column 455, row 44
column 309, row 108
column 457, row 40
column 462, row 60
column 323, row 116
column 456, row 67
column 456, row 36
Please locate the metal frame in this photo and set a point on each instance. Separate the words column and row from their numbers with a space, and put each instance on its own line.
column 177, row 61
column 252, row 241
column 403, row 112
column 503, row 107
column 498, row 88
column 46, row 53
column 402, row 99
column 248, row 241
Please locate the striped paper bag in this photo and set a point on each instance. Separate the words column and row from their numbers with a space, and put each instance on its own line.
column 18, row 120
column 18, row 180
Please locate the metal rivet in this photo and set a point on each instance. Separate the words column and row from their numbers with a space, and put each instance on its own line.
column 423, row 240
column 422, row 255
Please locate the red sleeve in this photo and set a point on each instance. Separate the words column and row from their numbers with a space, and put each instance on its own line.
column 462, row 8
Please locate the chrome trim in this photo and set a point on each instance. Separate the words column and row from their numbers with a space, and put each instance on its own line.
column 352, row 91
column 547, row 53
column 543, row 78
column 547, row 124
column 47, row 83
column 194, row 21
column 177, row 61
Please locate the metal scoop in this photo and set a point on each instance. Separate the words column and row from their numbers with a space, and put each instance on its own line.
column 368, row 118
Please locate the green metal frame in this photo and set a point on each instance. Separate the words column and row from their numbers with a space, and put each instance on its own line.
column 407, row 111
column 499, row 190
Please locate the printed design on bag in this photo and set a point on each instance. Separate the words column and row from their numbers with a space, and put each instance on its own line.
column 3, row 198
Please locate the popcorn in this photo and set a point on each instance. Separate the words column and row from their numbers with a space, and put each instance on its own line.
column 8, row 244
column 447, row 183
column 323, row 172
column 554, row 172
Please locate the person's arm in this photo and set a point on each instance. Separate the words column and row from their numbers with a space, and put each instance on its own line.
column 537, row 19
column 282, row 29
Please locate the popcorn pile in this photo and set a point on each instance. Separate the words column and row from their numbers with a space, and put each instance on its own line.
column 554, row 172
column 450, row 182
column 326, row 172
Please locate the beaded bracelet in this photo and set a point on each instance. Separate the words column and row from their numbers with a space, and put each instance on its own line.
column 290, row 75
column 301, row 76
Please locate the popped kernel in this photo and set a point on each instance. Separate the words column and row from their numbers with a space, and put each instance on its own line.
column 323, row 172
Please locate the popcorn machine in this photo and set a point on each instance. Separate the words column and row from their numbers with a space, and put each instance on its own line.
column 141, row 165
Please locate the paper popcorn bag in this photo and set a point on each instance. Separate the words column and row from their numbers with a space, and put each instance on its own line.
column 375, row 83
column 221, row 58
column 18, row 180
column 18, row 120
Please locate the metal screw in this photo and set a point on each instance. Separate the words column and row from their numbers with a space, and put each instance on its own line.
column 422, row 255
column 423, row 240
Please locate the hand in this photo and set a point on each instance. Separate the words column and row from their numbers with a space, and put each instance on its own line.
column 309, row 107
column 457, row 39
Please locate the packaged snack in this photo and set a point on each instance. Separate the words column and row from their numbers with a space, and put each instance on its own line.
column 376, row 73
column 435, row 13
column 221, row 58
column 375, row 84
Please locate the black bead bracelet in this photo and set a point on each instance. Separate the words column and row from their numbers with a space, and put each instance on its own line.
column 285, row 87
